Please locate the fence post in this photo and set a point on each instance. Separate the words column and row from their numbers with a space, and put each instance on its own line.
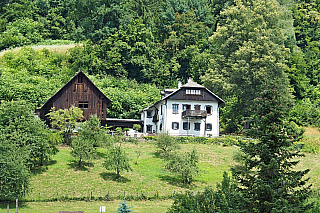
column 39, row 197
column 17, row 204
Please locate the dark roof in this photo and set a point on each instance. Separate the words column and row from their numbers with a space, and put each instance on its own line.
column 70, row 81
column 190, row 84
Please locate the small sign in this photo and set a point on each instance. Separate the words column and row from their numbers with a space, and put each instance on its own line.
column 102, row 209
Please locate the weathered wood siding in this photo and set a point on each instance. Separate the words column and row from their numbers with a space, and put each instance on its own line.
column 79, row 92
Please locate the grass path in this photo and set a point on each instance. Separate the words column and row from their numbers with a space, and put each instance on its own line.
column 63, row 48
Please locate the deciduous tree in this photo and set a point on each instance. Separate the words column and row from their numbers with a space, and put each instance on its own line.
column 184, row 164
column 117, row 160
column 65, row 120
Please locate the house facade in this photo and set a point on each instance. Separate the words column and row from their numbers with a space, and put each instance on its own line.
column 79, row 91
column 190, row 110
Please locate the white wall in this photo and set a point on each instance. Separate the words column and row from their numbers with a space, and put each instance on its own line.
column 167, row 117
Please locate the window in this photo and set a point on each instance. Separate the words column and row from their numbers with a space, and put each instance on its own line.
column 149, row 114
column 161, row 109
column 80, row 78
column 208, row 109
column 186, row 106
column 83, row 104
column 175, row 125
column 193, row 92
column 175, row 108
column 208, row 127
column 161, row 127
column 197, row 126
column 149, row 128
column 186, row 125
column 197, row 107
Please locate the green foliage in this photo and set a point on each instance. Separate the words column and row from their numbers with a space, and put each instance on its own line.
column 266, row 175
column 184, row 164
column 117, row 160
column 14, row 174
column 90, row 135
column 33, row 76
column 305, row 112
column 136, row 127
column 21, row 128
column 294, row 131
column 166, row 143
column 248, row 49
column 223, row 199
column 123, row 208
column 65, row 120
column 21, row 32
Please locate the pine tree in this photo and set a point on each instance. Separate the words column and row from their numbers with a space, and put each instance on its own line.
column 123, row 208
column 266, row 177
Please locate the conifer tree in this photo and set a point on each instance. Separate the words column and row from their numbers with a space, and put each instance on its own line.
column 266, row 177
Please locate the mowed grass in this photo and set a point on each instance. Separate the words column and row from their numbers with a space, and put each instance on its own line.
column 63, row 178
column 159, row 206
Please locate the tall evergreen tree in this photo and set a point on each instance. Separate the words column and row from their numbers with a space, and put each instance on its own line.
column 266, row 176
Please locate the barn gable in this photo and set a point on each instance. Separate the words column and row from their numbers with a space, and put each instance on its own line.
column 79, row 91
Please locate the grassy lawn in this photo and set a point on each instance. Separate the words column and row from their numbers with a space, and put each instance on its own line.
column 62, row 179
column 89, row 207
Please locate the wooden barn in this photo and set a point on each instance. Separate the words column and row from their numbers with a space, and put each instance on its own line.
column 79, row 92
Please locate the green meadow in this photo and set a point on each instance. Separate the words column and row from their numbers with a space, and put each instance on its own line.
column 62, row 185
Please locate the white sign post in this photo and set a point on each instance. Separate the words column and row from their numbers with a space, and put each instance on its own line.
column 102, row 209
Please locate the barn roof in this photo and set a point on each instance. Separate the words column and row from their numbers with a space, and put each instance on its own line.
column 108, row 101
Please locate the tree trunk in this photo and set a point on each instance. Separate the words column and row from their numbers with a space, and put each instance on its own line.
column 8, row 206
column 80, row 162
column 118, row 173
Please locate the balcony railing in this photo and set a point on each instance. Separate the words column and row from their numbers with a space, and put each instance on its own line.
column 194, row 113
column 155, row 118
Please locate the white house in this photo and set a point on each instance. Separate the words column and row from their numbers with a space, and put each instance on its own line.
column 190, row 110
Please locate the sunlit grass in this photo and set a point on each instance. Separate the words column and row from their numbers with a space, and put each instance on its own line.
column 159, row 206
column 64, row 179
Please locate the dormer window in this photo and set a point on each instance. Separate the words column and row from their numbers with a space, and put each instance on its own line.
column 149, row 114
column 193, row 92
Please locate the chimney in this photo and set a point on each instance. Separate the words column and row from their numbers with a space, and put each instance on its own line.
column 179, row 84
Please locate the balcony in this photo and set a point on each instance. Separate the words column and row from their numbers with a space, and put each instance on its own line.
column 194, row 113
column 155, row 118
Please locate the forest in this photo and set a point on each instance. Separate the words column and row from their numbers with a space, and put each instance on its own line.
column 231, row 47
column 251, row 53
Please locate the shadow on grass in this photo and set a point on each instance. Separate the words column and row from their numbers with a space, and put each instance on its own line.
column 84, row 165
column 41, row 169
column 160, row 154
column 114, row 177
column 12, row 205
column 172, row 180
column 101, row 155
